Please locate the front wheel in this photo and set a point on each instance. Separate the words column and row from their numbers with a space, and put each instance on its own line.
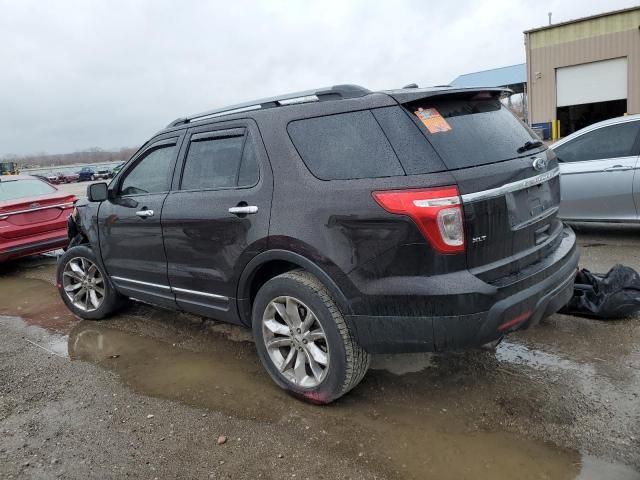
column 303, row 341
column 84, row 286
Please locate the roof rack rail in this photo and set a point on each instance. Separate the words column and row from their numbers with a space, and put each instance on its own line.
column 329, row 93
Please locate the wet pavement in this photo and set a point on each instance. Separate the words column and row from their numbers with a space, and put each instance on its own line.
column 559, row 401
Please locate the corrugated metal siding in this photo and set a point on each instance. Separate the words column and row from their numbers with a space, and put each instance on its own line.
column 586, row 29
column 544, row 60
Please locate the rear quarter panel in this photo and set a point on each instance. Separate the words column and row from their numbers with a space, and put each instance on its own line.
column 337, row 224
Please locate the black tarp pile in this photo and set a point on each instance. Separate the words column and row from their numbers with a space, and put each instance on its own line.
column 615, row 294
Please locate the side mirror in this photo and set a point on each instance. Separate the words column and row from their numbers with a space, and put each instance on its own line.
column 97, row 192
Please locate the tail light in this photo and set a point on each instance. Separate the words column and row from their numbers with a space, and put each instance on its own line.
column 436, row 211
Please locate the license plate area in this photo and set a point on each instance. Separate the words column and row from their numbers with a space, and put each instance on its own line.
column 529, row 204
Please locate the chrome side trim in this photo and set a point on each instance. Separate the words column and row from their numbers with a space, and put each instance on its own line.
column 173, row 289
column 138, row 282
column 59, row 205
column 203, row 294
column 511, row 187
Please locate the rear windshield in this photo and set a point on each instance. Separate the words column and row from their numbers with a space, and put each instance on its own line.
column 471, row 129
column 15, row 189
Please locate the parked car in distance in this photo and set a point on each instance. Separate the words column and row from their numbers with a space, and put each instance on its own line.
column 116, row 169
column 599, row 171
column 67, row 177
column 335, row 223
column 86, row 174
column 52, row 178
column 33, row 216
column 90, row 174
column 103, row 173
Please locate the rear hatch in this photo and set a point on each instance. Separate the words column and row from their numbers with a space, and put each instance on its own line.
column 507, row 179
column 30, row 207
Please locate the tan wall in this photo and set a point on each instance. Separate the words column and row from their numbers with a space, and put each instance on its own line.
column 570, row 45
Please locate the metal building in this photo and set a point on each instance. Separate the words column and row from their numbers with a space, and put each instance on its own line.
column 513, row 77
column 583, row 71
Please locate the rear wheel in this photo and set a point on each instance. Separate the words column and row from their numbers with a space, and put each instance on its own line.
column 84, row 285
column 303, row 340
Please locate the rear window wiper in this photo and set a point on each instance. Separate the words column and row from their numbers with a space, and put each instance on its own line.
column 529, row 145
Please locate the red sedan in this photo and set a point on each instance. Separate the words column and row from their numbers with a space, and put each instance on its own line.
column 33, row 216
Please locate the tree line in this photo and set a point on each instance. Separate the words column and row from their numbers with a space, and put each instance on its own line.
column 92, row 155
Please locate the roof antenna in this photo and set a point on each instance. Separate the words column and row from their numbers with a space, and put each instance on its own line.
column 550, row 13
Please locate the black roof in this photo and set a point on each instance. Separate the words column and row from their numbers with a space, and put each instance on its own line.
column 337, row 92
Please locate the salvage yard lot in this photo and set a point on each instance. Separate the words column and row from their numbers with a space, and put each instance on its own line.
column 147, row 394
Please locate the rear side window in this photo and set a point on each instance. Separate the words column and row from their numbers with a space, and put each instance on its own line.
column 607, row 142
column 220, row 162
column 415, row 153
column 344, row 146
column 471, row 129
column 15, row 189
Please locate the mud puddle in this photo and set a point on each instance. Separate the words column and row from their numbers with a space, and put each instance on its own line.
column 404, row 431
column 414, row 416
column 37, row 300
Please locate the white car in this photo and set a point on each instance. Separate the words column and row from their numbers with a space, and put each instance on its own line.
column 599, row 172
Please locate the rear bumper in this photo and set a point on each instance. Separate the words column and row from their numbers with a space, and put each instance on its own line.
column 44, row 242
column 540, row 291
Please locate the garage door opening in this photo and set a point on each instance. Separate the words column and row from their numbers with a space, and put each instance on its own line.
column 575, row 117
column 590, row 92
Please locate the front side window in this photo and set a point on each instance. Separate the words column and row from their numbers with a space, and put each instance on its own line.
column 151, row 174
column 608, row 142
column 220, row 162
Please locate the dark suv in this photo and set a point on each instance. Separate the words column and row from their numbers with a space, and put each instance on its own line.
column 335, row 223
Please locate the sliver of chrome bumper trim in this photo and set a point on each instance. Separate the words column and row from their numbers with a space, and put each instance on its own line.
column 511, row 187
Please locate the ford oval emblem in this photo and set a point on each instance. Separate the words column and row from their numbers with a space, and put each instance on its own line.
column 540, row 164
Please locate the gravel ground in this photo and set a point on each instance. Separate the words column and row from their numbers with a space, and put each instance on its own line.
column 148, row 393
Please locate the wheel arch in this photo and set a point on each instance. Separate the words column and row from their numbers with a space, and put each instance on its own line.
column 271, row 263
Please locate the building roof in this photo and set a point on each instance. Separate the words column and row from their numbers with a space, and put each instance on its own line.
column 582, row 19
column 510, row 76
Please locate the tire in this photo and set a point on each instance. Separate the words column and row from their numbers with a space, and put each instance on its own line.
column 68, row 277
column 346, row 361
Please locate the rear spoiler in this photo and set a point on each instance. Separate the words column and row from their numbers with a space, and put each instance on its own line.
column 407, row 95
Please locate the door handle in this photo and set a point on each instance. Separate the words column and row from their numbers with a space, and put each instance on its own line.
column 144, row 213
column 617, row 168
column 244, row 210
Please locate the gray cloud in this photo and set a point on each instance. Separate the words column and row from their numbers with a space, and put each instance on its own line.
column 77, row 74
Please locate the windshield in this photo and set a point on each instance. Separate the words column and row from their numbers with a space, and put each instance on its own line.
column 472, row 129
column 15, row 189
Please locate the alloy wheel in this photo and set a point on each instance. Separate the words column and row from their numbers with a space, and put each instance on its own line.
column 295, row 341
column 83, row 284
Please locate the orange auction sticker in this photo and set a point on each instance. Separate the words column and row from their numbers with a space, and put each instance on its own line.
column 432, row 119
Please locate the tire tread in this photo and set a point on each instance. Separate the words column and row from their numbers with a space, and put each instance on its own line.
column 358, row 360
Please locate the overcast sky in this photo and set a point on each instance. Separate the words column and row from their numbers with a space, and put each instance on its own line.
column 80, row 74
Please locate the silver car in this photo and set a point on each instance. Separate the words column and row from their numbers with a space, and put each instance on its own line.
column 599, row 171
